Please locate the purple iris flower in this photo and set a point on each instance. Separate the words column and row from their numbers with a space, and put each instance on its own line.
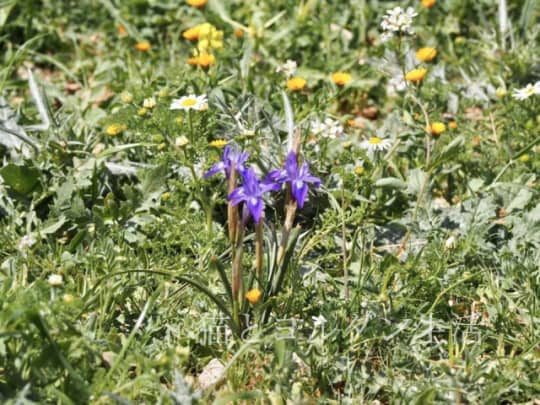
column 232, row 157
column 298, row 177
column 251, row 192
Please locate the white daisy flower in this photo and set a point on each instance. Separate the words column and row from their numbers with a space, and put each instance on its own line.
column 527, row 91
column 55, row 280
column 288, row 68
column 374, row 143
column 191, row 102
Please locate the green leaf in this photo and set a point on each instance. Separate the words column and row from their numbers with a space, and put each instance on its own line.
column 520, row 200
column 417, row 179
column 5, row 9
column 21, row 179
column 53, row 226
column 237, row 396
column 534, row 214
column 390, row 182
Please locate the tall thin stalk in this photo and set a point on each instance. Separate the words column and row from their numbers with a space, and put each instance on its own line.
column 259, row 251
column 237, row 276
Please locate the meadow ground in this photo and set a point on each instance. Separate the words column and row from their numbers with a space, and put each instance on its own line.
column 272, row 202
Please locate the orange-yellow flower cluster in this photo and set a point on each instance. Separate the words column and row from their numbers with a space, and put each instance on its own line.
column 204, row 60
column 208, row 38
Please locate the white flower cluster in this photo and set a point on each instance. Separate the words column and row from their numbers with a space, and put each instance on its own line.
column 26, row 242
column 527, row 91
column 288, row 68
column 397, row 83
column 328, row 128
column 397, row 20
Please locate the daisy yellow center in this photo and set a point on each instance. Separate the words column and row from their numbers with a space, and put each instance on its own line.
column 375, row 140
column 189, row 102
column 529, row 91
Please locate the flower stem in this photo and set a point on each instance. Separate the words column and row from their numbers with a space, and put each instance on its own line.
column 238, row 249
column 344, row 244
column 287, row 227
column 209, row 219
column 190, row 123
column 259, row 251
column 232, row 211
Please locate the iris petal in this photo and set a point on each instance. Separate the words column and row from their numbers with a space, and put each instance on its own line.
column 255, row 206
column 217, row 167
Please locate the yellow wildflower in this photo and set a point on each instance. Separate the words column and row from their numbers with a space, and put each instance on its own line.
column 193, row 61
column 197, row 3
column 416, row 75
column 254, row 295
column 426, row 54
column 452, row 125
column 209, row 38
column 296, row 83
column 341, row 78
column 428, row 3
column 359, row 170
column 143, row 46
column 437, row 128
column 191, row 34
column 142, row 112
column 524, row 158
column 115, row 129
column 122, row 32
column 239, row 33
column 218, row 143
column 205, row 60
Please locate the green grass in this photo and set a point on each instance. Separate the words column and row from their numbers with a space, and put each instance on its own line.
column 410, row 276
